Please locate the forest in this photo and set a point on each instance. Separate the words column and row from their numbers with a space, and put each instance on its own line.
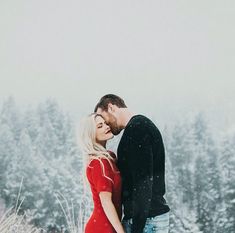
column 42, row 175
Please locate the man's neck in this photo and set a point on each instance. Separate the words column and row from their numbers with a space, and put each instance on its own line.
column 126, row 115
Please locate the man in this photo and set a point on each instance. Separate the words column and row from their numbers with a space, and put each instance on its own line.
column 141, row 160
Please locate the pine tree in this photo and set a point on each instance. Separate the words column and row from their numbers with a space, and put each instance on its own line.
column 7, row 154
column 207, row 178
column 179, row 181
column 11, row 116
column 227, row 165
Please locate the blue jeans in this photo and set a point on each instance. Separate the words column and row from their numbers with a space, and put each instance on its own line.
column 158, row 224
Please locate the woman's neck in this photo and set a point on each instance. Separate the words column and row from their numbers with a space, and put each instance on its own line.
column 103, row 143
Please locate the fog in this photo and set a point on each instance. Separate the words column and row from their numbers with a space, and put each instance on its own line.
column 165, row 58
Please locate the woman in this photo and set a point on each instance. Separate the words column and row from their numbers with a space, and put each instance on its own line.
column 103, row 176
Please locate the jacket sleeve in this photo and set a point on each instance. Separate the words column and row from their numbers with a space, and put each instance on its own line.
column 141, row 162
column 102, row 175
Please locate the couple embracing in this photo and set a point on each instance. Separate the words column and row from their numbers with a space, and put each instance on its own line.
column 127, row 189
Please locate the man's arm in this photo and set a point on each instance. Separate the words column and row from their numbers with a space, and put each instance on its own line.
column 141, row 162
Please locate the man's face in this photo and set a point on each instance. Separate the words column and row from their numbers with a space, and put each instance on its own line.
column 110, row 120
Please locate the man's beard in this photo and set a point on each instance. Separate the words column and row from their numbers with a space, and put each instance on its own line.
column 115, row 130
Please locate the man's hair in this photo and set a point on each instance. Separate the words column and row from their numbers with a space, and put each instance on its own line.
column 110, row 98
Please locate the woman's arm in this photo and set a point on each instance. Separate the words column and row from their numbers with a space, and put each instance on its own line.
column 110, row 211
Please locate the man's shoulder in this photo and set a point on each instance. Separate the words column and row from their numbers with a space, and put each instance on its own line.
column 139, row 127
column 139, row 119
column 141, row 122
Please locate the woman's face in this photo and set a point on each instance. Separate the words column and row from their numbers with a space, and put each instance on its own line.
column 103, row 132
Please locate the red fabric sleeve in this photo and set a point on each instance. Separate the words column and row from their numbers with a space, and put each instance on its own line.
column 102, row 176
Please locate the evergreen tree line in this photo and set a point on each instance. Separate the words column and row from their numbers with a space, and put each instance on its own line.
column 39, row 145
column 200, row 175
column 38, row 149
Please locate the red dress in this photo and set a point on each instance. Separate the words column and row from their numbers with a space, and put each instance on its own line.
column 103, row 180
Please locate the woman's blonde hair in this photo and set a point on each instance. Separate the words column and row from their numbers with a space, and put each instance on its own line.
column 88, row 145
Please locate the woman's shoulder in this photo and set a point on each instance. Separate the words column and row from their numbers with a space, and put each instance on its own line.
column 99, row 162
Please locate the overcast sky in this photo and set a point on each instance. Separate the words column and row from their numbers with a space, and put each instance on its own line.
column 163, row 57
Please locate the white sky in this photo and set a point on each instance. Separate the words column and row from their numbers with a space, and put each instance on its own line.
column 163, row 57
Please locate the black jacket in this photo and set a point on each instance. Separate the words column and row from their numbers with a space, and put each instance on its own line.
column 141, row 161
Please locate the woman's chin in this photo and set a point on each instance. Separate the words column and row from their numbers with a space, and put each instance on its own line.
column 110, row 136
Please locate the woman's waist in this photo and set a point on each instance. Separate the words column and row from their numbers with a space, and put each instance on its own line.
column 99, row 211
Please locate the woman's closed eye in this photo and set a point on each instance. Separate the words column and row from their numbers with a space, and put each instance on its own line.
column 100, row 125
